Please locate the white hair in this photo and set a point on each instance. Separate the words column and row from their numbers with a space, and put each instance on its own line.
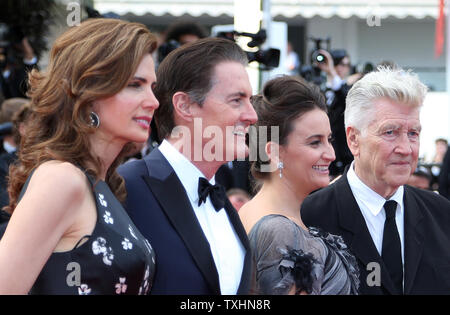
column 395, row 84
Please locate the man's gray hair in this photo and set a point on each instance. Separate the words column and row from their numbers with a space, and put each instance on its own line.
column 395, row 84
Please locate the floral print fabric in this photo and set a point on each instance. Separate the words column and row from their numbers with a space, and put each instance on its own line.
column 116, row 259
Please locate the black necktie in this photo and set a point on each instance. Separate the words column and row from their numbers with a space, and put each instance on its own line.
column 216, row 192
column 392, row 251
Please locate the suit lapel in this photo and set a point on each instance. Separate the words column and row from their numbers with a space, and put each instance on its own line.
column 172, row 197
column 358, row 237
column 237, row 224
column 414, row 235
column 244, row 285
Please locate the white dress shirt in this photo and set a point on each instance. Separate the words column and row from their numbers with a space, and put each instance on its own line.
column 371, row 205
column 226, row 247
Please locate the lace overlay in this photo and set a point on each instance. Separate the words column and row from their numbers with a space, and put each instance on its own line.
column 316, row 262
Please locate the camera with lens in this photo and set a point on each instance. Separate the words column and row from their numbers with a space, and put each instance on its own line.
column 268, row 58
column 317, row 57
column 312, row 73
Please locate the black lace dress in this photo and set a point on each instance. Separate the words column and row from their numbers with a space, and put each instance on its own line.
column 316, row 262
column 116, row 258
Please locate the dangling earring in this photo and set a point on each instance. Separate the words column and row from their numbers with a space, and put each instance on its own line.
column 95, row 120
column 280, row 167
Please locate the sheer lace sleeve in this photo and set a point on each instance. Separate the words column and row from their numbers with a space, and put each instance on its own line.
column 272, row 239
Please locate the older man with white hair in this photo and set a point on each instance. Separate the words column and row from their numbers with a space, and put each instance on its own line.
column 399, row 234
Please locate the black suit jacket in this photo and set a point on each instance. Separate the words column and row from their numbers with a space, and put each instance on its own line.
column 444, row 176
column 427, row 236
column 161, row 210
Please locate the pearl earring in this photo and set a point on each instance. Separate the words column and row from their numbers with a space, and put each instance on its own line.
column 280, row 167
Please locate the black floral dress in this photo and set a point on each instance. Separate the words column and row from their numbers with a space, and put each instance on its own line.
column 115, row 259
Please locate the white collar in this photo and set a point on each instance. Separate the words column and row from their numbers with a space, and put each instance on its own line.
column 372, row 200
column 187, row 172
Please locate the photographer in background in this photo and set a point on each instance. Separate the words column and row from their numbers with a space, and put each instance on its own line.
column 13, row 114
column 24, row 26
column 185, row 32
column 336, row 65
column 16, row 60
column 441, row 147
column 178, row 34
column 421, row 178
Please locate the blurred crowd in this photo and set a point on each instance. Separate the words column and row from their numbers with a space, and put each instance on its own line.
column 336, row 67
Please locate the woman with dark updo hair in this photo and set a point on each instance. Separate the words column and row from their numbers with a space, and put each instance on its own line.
column 290, row 258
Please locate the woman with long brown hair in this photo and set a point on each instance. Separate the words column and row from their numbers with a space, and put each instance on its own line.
column 68, row 233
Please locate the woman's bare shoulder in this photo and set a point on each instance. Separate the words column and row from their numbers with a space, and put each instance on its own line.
column 59, row 173
column 57, row 182
column 252, row 212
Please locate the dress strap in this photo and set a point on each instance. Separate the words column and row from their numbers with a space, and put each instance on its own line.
column 91, row 178
column 25, row 185
column 81, row 239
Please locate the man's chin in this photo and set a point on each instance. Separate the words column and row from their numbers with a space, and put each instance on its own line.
column 399, row 180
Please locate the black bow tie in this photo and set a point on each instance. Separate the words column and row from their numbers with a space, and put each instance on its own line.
column 216, row 192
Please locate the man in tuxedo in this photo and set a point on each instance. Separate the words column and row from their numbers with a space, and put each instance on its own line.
column 399, row 234
column 204, row 114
